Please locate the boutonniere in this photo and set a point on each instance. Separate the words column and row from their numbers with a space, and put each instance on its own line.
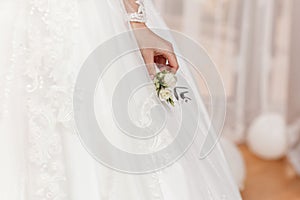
column 165, row 82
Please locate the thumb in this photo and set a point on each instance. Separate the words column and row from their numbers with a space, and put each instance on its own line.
column 149, row 61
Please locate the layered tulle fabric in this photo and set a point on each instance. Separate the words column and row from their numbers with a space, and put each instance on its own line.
column 43, row 46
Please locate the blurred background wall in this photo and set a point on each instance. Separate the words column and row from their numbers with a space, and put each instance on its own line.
column 256, row 47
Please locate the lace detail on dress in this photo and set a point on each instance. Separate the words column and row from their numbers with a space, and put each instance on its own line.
column 42, row 52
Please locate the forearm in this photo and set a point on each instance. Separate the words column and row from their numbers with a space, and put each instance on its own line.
column 154, row 49
column 131, row 6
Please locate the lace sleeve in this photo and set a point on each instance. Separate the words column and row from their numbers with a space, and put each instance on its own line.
column 135, row 11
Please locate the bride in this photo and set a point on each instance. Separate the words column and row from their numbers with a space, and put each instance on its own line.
column 46, row 147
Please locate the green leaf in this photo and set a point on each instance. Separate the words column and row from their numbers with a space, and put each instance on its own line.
column 171, row 102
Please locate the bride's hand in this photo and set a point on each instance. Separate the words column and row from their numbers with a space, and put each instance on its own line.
column 161, row 52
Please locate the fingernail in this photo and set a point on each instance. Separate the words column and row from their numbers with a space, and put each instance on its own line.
column 152, row 77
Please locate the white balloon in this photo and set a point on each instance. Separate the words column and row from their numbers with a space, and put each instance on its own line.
column 235, row 161
column 267, row 136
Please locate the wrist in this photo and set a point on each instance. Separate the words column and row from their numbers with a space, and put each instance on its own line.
column 138, row 17
column 136, row 25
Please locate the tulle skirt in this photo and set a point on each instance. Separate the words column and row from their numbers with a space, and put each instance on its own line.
column 43, row 47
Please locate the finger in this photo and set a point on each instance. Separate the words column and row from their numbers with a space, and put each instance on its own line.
column 173, row 63
column 164, row 68
column 160, row 59
column 161, row 62
column 172, row 59
column 149, row 61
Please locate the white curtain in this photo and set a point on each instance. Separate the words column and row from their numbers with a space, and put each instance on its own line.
column 255, row 45
column 293, row 111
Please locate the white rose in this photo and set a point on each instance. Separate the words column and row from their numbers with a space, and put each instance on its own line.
column 160, row 75
column 165, row 94
column 170, row 80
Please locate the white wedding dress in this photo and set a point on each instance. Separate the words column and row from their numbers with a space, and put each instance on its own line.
column 43, row 45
